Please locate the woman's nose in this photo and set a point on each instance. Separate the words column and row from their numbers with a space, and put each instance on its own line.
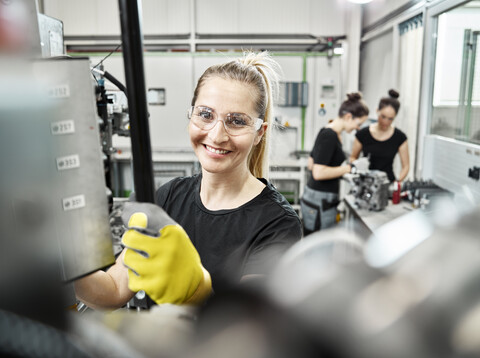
column 218, row 133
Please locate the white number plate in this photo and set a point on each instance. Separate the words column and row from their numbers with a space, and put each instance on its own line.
column 60, row 91
column 73, row 202
column 63, row 127
column 68, row 162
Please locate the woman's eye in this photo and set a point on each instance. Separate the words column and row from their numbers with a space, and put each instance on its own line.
column 206, row 115
column 238, row 121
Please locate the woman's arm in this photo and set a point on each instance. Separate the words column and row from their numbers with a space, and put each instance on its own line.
column 324, row 172
column 105, row 290
column 356, row 149
column 310, row 163
column 405, row 161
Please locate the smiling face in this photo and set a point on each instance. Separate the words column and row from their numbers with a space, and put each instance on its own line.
column 217, row 151
column 386, row 115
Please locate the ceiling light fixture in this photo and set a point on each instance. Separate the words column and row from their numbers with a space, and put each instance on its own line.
column 360, row 1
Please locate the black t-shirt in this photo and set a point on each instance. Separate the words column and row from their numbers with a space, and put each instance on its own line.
column 326, row 151
column 381, row 153
column 235, row 242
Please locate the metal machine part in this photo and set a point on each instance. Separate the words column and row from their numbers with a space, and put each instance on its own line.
column 116, row 224
column 78, row 183
column 370, row 189
column 112, row 108
column 422, row 193
column 51, row 36
column 117, row 120
column 118, row 109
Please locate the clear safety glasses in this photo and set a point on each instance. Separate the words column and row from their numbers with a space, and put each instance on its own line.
column 235, row 124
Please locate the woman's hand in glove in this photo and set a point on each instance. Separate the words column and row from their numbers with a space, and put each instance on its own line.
column 160, row 257
column 362, row 164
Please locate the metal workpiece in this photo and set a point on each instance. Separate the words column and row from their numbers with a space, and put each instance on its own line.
column 370, row 189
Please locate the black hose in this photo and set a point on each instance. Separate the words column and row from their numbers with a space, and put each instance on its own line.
column 116, row 82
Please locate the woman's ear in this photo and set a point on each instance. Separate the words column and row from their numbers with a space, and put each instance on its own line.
column 260, row 133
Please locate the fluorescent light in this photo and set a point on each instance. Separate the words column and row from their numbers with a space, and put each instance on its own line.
column 360, row 1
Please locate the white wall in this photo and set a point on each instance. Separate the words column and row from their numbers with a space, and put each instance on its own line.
column 94, row 17
column 271, row 16
column 101, row 17
column 87, row 17
column 377, row 74
column 378, row 9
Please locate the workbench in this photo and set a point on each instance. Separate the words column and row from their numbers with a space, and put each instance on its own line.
column 364, row 222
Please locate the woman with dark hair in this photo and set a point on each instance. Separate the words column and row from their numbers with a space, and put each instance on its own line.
column 381, row 141
column 320, row 197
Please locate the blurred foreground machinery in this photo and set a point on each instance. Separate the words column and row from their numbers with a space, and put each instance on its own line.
column 413, row 292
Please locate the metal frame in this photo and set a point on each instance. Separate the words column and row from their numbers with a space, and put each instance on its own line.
column 430, row 23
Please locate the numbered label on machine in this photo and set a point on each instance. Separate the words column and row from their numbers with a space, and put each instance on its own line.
column 59, row 91
column 63, row 127
column 73, row 202
column 68, row 162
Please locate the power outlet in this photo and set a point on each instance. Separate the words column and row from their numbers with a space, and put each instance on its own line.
column 474, row 173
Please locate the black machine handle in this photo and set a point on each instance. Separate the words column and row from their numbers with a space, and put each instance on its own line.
column 132, row 45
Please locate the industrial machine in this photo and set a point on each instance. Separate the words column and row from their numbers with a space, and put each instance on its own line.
column 76, row 164
column 51, row 134
column 370, row 189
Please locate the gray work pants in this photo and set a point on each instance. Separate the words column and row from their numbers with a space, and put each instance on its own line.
column 319, row 210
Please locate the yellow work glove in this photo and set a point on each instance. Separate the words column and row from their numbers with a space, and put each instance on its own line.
column 160, row 257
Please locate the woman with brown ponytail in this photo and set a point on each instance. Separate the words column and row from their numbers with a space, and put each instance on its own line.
column 382, row 141
column 326, row 163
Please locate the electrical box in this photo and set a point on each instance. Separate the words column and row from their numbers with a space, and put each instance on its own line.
column 156, row 96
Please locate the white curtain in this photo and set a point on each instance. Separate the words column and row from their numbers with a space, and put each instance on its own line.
column 376, row 74
column 410, row 62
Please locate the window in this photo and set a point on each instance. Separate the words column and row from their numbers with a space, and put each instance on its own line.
column 456, row 93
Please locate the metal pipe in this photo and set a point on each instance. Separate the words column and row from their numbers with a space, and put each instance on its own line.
column 132, row 46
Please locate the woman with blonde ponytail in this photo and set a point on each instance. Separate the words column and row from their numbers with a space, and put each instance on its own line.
column 235, row 218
